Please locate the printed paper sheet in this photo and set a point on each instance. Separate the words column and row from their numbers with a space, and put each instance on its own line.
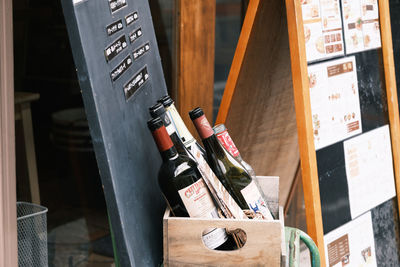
column 369, row 170
column 335, row 103
column 351, row 244
column 322, row 29
column 361, row 25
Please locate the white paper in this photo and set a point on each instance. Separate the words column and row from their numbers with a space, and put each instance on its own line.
column 322, row 29
column 369, row 170
column 352, row 244
column 361, row 25
column 335, row 103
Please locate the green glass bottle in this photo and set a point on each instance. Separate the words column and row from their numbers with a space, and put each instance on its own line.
column 229, row 171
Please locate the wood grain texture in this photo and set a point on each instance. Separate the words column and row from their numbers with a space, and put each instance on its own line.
column 8, row 217
column 257, row 106
column 265, row 240
column 304, row 125
column 391, row 88
column 194, row 57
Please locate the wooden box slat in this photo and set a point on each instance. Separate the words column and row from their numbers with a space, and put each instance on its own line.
column 265, row 244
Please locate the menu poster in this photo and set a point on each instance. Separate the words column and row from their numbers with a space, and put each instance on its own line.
column 352, row 244
column 335, row 103
column 361, row 25
column 369, row 170
column 322, row 29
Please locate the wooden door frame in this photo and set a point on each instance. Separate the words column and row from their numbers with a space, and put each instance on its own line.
column 8, row 217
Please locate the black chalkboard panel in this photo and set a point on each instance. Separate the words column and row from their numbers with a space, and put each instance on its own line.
column 120, row 74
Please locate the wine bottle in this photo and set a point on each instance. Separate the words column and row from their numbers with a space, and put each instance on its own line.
column 222, row 197
column 183, row 187
column 225, row 139
column 228, row 170
column 158, row 110
column 187, row 138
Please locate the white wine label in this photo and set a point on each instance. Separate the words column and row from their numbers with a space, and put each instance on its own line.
column 255, row 201
column 224, row 200
column 199, row 204
column 215, row 237
column 197, row 200
column 180, row 126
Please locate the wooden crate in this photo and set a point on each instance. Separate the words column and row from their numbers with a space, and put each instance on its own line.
column 265, row 244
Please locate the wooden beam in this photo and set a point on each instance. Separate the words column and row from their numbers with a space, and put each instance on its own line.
column 193, row 83
column 238, row 60
column 304, row 125
column 8, row 217
column 391, row 89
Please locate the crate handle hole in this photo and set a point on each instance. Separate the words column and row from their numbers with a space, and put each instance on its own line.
column 236, row 239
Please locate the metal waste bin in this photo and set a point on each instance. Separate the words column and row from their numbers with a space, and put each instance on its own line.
column 32, row 235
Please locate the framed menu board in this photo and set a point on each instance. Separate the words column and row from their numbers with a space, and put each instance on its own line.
column 348, row 128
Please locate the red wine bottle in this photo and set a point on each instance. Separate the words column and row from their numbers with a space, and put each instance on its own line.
column 183, row 187
column 158, row 110
column 229, row 171
column 187, row 138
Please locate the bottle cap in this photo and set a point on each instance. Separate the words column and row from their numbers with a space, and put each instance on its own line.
column 166, row 101
column 154, row 124
column 219, row 128
column 160, row 134
column 157, row 110
column 196, row 113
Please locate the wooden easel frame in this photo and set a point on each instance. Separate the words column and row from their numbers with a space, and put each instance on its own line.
column 8, row 217
column 303, row 113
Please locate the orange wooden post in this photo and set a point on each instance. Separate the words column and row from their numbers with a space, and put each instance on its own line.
column 391, row 89
column 304, row 125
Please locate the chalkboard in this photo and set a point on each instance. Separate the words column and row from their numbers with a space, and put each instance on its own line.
column 120, row 74
column 329, row 167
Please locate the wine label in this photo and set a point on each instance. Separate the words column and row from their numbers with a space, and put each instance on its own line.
column 199, row 204
column 227, row 142
column 180, row 126
column 197, row 200
column 255, row 201
column 224, row 200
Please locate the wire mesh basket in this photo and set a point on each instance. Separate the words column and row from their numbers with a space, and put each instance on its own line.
column 32, row 235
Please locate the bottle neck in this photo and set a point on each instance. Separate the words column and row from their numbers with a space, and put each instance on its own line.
column 226, row 140
column 181, row 129
column 203, row 127
column 164, row 143
column 170, row 154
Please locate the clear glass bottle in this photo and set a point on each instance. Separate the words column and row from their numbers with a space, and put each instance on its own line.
column 225, row 139
column 229, row 171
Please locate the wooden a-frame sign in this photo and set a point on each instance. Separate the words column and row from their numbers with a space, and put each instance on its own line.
column 303, row 112
column 238, row 86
